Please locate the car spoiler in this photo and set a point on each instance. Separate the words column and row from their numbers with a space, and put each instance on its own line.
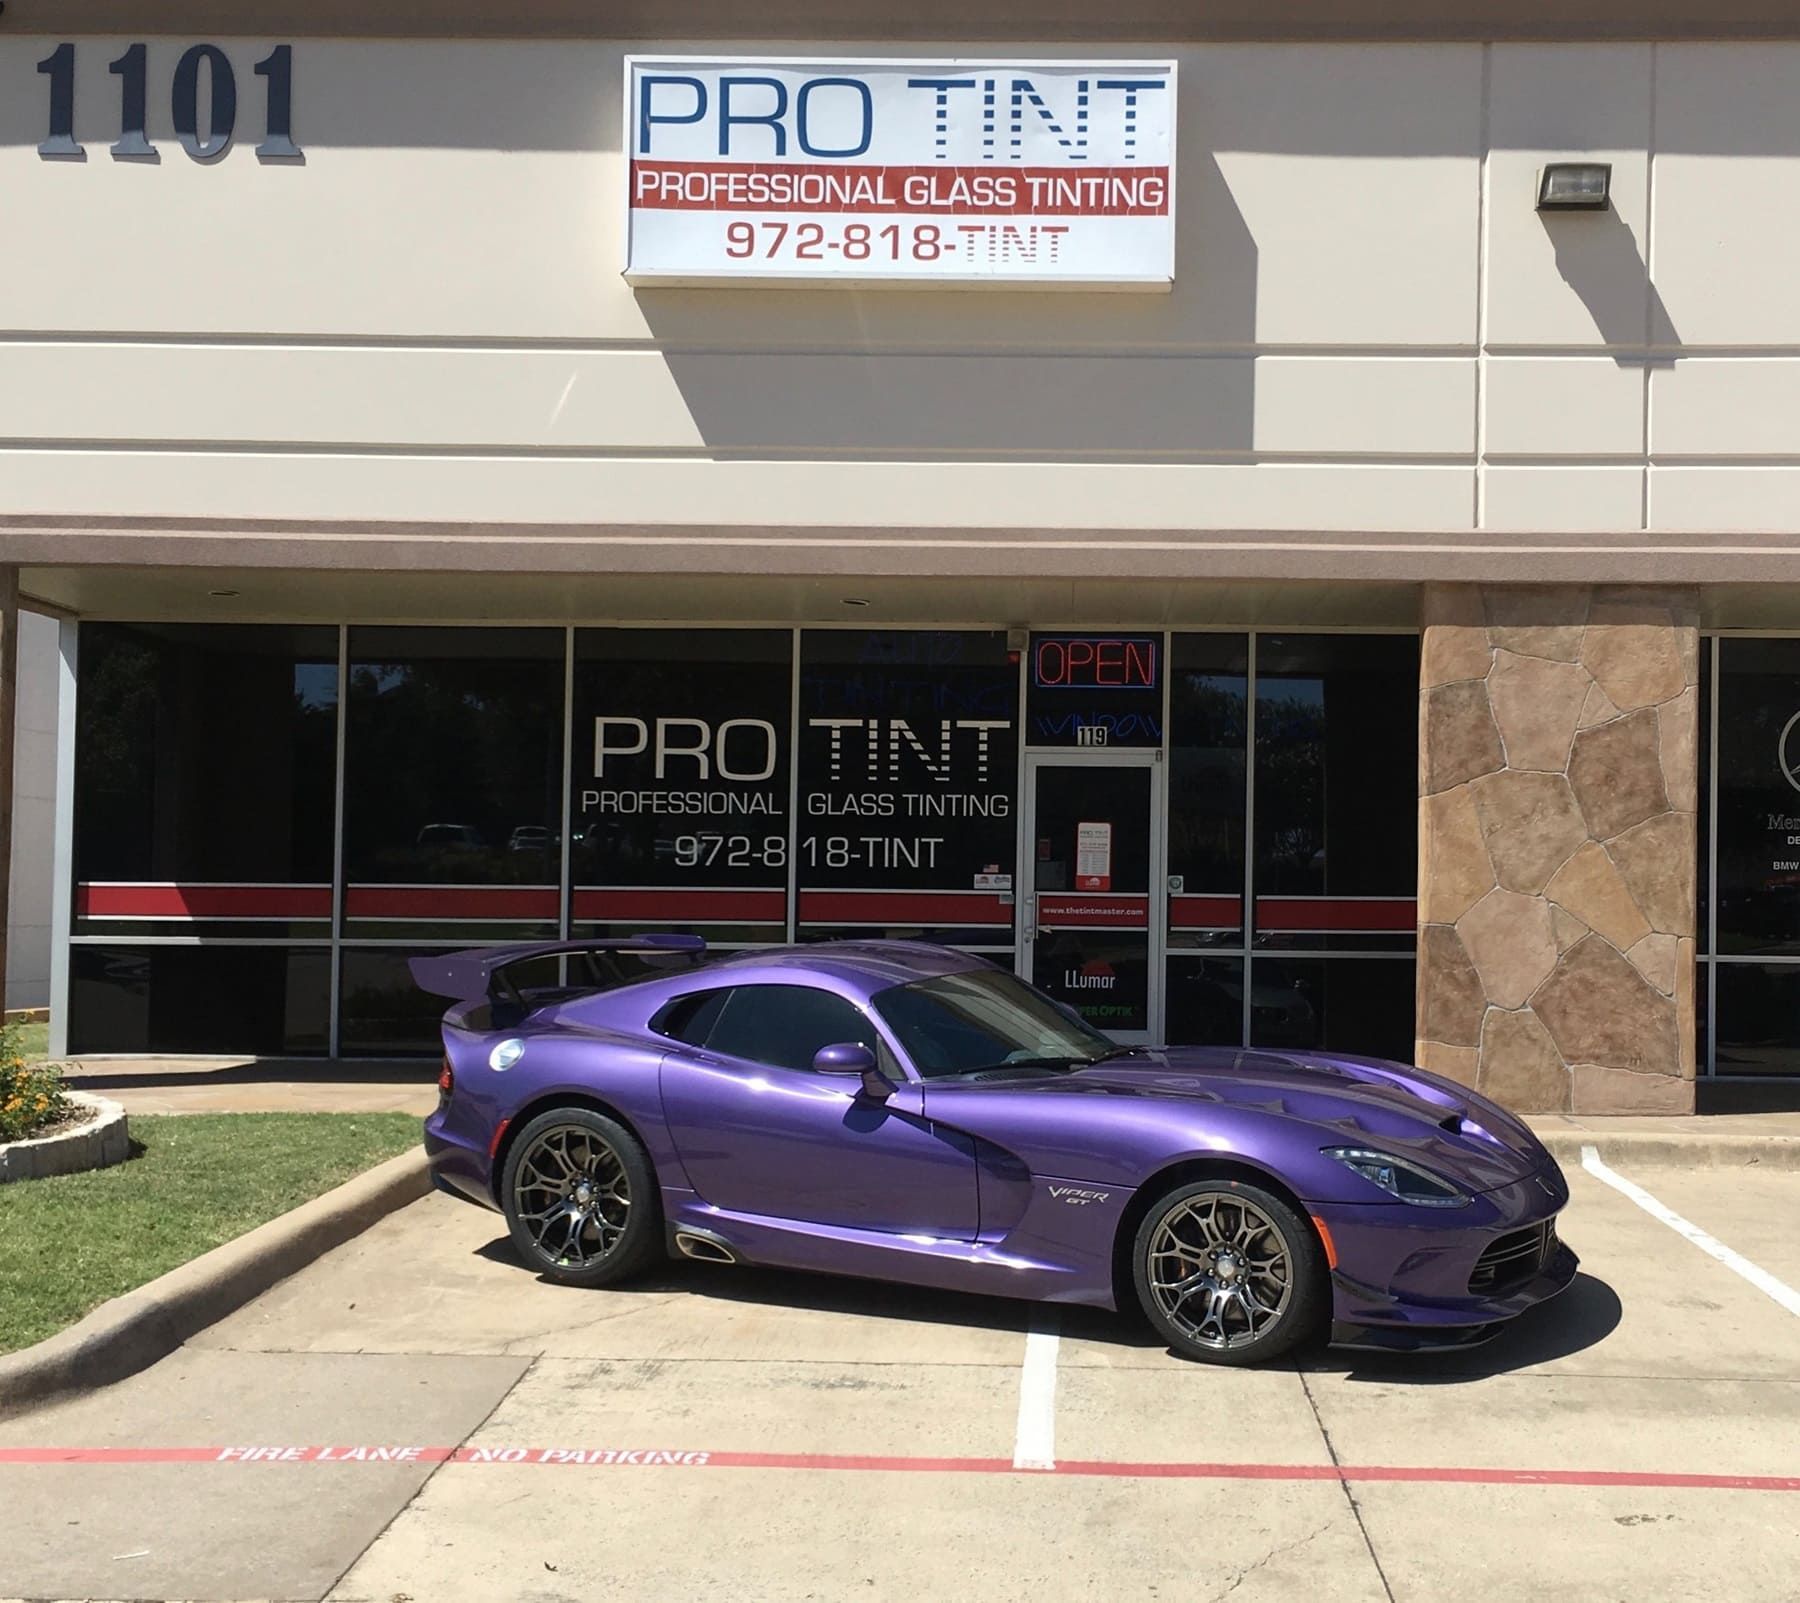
column 480, row 974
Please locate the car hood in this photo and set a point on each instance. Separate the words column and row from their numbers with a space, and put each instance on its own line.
column 1351, row 1101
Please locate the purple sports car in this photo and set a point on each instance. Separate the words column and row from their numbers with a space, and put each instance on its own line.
column 909, row 1113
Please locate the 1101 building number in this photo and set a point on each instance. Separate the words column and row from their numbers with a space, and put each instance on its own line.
column 132, row 70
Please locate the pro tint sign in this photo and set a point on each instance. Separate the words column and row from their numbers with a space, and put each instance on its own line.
column 938, row 172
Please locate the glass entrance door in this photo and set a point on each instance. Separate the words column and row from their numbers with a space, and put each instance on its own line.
column 1092, row 888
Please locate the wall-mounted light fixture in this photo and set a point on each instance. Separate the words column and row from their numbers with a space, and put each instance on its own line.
column 1574, row 186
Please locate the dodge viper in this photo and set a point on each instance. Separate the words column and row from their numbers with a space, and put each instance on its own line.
column 905, row 1112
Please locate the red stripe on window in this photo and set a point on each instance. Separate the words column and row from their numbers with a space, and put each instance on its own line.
column 99, row 900
column 680, row 907
column 1370, row 915
column 538, row 902
column 951, row 909
column 1198, row 912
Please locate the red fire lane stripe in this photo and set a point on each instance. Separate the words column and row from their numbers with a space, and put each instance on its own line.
column 870, row 190
column 689, row 1458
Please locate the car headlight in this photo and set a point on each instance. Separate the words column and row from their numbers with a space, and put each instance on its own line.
column 1399, row 1177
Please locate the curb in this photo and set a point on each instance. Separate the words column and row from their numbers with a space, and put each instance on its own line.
column 100, row 1143
column 1647, row 1149
column 132, row 1331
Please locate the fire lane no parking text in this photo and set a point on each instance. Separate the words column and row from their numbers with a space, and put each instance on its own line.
column 269, row 1455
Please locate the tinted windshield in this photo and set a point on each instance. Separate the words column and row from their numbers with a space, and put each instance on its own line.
column 958, row 1023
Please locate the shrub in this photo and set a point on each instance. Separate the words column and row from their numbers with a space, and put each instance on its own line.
column 31, row 1094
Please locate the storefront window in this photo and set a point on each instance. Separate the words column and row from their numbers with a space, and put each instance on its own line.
column 1208, row 721
column 739, row 784
column 1336, row 824
column 1753, row 892
column 1328, row 963
column 214, row 998
column 680, row 786
column 453, row 784
column 1758, row 886
column 908, row 775
column 1205, row 1000
column 205, row 781
column 205, row 761
column 1361, row 1005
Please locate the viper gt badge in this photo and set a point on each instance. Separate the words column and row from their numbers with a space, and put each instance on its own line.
column 1076, row 1197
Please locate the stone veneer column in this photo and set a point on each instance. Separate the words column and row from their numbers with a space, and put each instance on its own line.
column 1558, row 743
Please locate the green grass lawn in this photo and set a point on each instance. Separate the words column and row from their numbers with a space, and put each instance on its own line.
column 69, row 1242
column 34, row 1041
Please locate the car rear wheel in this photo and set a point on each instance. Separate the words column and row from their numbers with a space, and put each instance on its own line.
column 580, row 1198
column 1228, row 1273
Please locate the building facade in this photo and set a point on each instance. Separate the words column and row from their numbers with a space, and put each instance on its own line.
column 1281, row 584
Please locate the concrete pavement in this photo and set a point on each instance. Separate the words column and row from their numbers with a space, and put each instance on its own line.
column 1344, row 1478
column 260, row 1085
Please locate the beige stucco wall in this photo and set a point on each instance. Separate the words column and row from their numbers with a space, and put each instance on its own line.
column 1371, row 329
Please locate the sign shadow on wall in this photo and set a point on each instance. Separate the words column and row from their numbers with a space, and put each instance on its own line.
column 1008, row 374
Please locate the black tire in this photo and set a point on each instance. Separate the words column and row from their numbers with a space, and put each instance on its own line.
column 1229, row 1273
column 580, row 1199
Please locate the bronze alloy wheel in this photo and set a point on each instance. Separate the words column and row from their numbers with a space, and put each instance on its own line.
column 1228, row 1272
column 571, row 1192
column 580, row 1198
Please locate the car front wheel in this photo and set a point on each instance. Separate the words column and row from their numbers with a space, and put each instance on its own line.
column 580, row 1198
column 1228, row 1273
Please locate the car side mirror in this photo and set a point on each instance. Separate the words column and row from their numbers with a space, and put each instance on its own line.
column 852, row 1057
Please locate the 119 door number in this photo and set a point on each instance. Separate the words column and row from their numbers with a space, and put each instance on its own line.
column 132, row 70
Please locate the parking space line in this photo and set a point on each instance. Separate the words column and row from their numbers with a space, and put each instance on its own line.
column 268, row 1456
column 1034, row 1441
column 1736, row 1262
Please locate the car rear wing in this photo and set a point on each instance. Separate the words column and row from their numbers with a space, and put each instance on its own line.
column 481, row 973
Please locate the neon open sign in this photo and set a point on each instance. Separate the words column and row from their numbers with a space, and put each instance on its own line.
column 1094, row 662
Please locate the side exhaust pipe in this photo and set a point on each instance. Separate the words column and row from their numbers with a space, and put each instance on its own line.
column 704, row 1245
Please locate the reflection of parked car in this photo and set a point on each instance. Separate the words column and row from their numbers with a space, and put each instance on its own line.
column 450, row 835
column 530, row 838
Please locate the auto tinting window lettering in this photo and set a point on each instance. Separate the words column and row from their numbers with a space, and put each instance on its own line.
column 680, row 780
column 908, row 767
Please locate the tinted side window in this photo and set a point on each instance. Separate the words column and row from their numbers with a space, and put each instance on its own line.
column 691, row 1018
column 786, row 1025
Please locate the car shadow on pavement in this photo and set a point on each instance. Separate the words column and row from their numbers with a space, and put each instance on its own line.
column 1582, row 1317
column 875, row 1299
